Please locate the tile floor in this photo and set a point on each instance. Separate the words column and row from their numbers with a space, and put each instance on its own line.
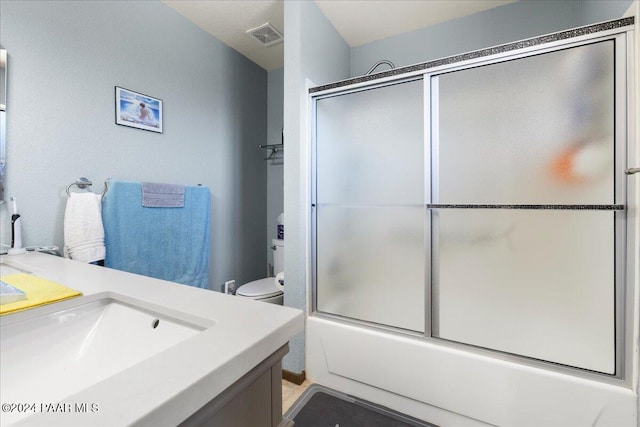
column 291, row 392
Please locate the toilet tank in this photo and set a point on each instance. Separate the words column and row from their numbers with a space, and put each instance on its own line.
column 278, row 255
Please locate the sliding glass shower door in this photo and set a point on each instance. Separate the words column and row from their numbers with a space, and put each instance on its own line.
column 481, row 204
column 370, row 184
column 524, row 206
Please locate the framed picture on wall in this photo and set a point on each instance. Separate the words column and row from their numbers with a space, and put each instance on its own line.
column 138, row 111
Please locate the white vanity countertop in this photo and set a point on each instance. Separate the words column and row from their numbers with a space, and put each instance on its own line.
column 167, row 388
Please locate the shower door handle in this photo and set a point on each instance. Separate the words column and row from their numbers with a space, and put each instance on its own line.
column 631, row 171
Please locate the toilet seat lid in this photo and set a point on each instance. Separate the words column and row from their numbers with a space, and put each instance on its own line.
column 261, row 288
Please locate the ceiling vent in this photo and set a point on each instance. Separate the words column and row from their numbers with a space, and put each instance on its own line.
column 266, row 35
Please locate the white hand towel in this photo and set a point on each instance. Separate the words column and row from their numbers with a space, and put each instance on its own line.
column 83, row 230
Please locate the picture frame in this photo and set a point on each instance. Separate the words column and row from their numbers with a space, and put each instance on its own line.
column 137, row 110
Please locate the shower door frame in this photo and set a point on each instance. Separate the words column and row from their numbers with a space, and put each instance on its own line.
column 626, row 275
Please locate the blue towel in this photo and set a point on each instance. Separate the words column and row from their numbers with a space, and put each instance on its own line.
column 166, row 243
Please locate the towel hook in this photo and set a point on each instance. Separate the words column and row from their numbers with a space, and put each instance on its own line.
column 274, row 149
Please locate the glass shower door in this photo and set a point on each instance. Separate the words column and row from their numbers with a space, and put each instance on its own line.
column 369, row 195
column 523, row 207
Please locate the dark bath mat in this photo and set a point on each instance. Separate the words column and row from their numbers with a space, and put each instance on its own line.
column 323, row 407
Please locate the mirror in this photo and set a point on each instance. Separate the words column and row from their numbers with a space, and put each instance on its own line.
column 3, row 114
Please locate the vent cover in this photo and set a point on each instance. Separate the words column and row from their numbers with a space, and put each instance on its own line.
column 266, row 34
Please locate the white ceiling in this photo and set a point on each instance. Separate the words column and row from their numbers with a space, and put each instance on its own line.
column 228, row 20
column 358, row 21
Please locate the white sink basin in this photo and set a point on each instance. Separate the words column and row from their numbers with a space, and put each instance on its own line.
column 55, row 351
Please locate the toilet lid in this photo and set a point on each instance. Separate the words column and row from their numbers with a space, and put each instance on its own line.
column 262, row 288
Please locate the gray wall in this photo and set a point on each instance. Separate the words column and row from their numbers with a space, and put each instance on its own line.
column 511, row 22
column 592, row 11
column 314, row 50
column 65, row 59
column 275, row 167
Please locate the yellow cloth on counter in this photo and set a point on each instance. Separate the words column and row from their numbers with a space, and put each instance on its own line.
column 38, row 291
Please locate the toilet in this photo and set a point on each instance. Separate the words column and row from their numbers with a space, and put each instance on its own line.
column 265, row 289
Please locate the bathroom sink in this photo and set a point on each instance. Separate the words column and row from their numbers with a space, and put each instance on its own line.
column 52, row 352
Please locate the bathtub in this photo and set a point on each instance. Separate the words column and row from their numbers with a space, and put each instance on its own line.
column 450, row 386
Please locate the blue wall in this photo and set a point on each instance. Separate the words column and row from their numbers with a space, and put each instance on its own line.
column 592, row 11
column 65, row 57
column 314, row 50
column 504, row 24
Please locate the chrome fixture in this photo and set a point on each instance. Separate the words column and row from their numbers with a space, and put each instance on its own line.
column 383, row 61
column 631, row 171
column 274, row 149
column 83, row 183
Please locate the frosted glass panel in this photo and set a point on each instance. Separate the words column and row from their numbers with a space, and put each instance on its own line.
column 535, row 283
column 534, row 131
column 370, row 264
column 370, row 146
column 370, row 214
column 537, row 130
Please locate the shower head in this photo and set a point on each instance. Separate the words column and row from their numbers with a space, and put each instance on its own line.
column 383, row 61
